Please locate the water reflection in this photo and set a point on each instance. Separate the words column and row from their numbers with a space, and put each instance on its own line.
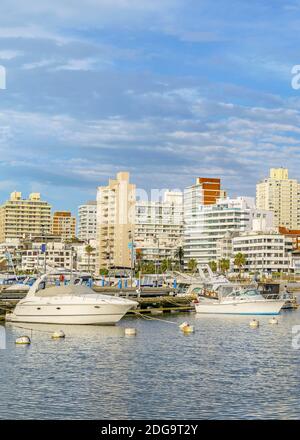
column 78, row 331
column 223, row 370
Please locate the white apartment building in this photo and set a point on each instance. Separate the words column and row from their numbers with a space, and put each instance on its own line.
column 206, row 225
column 115, row 222
column 264, row 252
column 224, row 246
column 281, row 195
column 58, row 254
column 87, row 225
column 159, row 227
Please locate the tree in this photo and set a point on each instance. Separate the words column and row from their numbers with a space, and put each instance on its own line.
column 138, row 258
column 213, row 265
column 192, row 265
column 89, row 250
column 224, row 265
column 165, row 265
column 179, row 254
column 148, row 268
column 239, row 261
column 103, row 271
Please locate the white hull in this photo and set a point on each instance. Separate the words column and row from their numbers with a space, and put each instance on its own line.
column 72, row 304
column 267, row 307
column 69, row 314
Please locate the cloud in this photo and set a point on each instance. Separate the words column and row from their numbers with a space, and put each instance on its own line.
column 9, row 54
column 168, row 89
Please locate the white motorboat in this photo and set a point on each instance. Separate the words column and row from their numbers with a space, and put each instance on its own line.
column 228, row 299
column 68, row 304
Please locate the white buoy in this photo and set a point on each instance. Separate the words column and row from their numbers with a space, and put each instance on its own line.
column 273, row 321
column 130, row 331
column 58, row 335
column 254, row 323
column 23, row 340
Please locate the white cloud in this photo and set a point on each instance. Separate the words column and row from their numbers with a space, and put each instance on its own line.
column 9, row 54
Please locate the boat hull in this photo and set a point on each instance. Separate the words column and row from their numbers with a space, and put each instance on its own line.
column 240, row 308
column 69, row 314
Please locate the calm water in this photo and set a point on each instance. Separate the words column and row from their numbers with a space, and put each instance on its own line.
column 224, row 370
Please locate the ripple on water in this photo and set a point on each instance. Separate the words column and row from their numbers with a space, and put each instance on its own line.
column 223, row 370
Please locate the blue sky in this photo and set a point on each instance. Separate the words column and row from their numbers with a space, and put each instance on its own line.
column 167, row 89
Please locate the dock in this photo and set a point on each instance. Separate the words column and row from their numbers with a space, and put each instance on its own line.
column 147, row 304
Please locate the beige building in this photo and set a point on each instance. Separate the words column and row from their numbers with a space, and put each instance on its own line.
column 24, row 217
column 280, row 194
column 64, row 225
column 115, row 222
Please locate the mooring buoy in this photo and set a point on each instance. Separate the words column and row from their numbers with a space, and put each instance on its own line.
column 130, row 331
column 23, row 340
column 254, row 323
column 58, row 335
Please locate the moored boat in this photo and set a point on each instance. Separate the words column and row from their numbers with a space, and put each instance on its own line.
column 228, row 299
column 68, row 304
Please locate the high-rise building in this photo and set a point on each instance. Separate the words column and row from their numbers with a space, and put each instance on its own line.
column 159, row 227
column 206, row 225
column 115, row 222
column 24, row 217
column 211, row 189
column 87, row 224
column 206, row 191
column 280, row 194
column 64, row 225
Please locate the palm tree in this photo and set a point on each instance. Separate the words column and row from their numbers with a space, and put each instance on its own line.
column 165, row 265
column 224, row 265
column 89, row 250
column 138, row 257
column 179, row 254
column 192, row 265
column 239, row 261
column 213, row 265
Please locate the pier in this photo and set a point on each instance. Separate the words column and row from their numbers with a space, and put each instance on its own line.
column 148, row 304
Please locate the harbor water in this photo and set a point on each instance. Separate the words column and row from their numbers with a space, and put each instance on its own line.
column 224, row 370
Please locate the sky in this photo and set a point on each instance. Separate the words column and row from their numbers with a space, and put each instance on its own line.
column 167, row 89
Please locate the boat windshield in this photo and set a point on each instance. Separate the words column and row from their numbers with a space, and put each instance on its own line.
column 249, row 292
